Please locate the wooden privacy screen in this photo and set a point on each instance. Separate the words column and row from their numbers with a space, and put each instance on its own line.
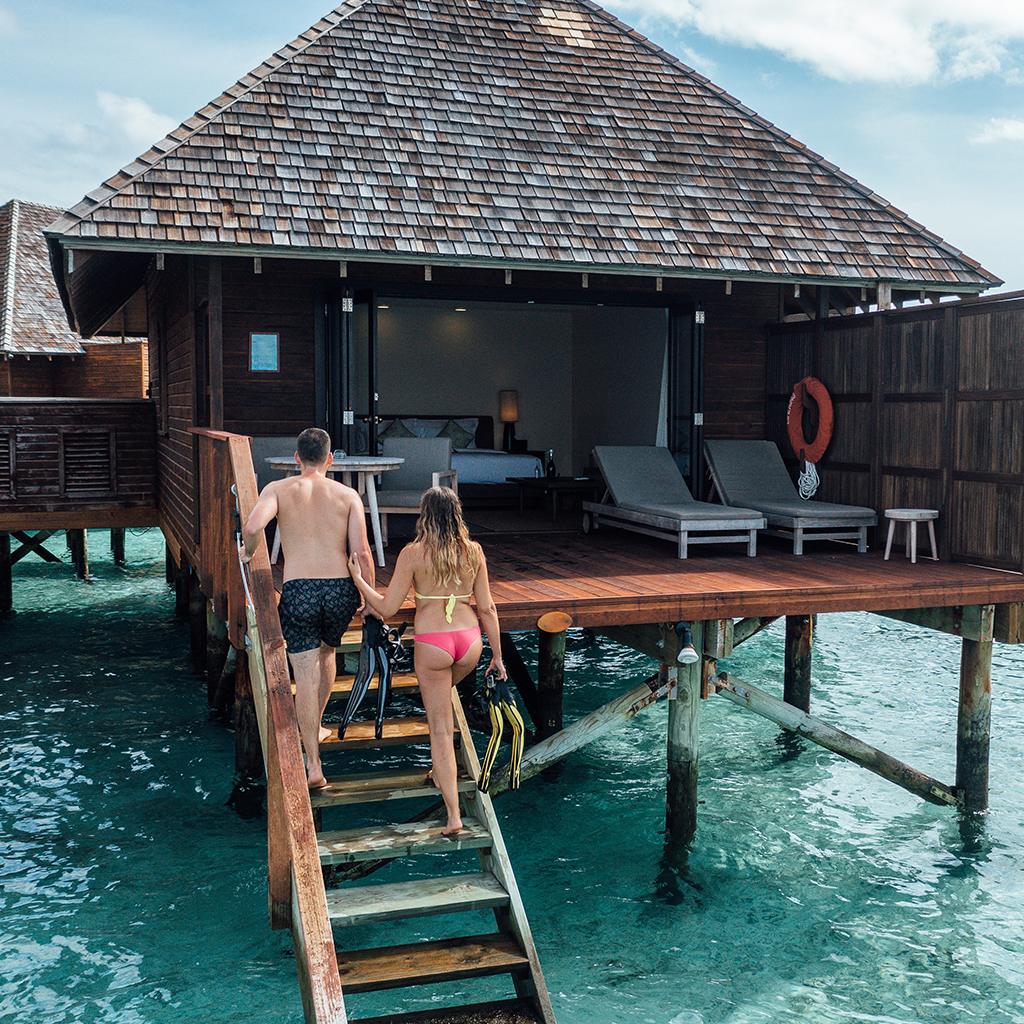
column 929, row 413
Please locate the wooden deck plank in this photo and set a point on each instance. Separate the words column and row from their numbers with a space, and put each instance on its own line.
column 361, row 734
column 421, row 898
column 424, row 963
column 617, row 578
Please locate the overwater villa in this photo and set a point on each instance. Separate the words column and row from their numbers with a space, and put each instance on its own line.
column 526, row 229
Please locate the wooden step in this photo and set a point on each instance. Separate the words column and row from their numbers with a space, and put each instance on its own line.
column 369, row 787
column 361, row 734
column 421, row 898
column 401, row 682
column 382, row 842
column 424, row 963
column 508, row 1011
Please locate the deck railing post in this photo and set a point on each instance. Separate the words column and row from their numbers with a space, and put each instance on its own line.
column 683, row 720
column 974, row 717
column 797, row 680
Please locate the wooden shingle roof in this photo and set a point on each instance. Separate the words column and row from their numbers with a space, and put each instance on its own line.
column 32, row 320
column 521, row 132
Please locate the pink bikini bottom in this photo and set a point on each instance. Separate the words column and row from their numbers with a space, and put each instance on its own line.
column 454, row 642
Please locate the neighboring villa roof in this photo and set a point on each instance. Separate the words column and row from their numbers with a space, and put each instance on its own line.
column 540, row 133
column 32, row 320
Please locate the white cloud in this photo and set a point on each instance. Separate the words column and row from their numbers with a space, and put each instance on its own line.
column 1001, row 129
column 908, row 41
column 135, row 119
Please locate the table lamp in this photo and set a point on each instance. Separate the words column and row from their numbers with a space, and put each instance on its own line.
column 508, row 412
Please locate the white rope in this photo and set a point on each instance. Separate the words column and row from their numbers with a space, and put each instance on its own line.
column 808, row 481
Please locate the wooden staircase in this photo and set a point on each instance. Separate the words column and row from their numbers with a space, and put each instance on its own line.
column 508, row 950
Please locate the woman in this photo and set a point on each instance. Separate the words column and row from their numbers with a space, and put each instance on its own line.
column 445, row 569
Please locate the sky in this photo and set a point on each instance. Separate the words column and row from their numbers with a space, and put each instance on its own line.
column 922, row 101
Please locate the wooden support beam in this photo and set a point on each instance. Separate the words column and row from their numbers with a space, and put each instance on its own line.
column 744, row 629
column 833, row 739
column 585, row 730
column 966, row 621
column 645, row 638
column 1008, row 624
column 32, row 544
column 974, row 719
column 683, row 719
column 551, row 671
column 797, row 677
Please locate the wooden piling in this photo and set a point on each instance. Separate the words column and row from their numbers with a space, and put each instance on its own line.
column 797, row 679
column 6, row 574
column 683, row 719
column 217, row 648
column 117, row 544
column 551, row 671
column 248, row 750
column 197, row 622
column 974, row 718
column 79, row 545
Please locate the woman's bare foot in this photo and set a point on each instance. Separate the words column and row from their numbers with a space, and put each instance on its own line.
column 326, row 734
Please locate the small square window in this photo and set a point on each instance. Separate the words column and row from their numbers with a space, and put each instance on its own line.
column 263, row 353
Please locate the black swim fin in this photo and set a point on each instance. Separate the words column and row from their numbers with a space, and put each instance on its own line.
column 361, row 683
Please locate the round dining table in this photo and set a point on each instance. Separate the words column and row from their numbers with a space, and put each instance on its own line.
column 361, row 467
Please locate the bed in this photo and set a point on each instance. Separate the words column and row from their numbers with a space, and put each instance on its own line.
column 483, row 469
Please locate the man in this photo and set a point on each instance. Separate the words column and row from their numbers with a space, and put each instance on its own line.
column 320, row 522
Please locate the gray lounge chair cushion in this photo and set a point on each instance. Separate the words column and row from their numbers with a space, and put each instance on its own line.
column 647, row 479
column 752, row 474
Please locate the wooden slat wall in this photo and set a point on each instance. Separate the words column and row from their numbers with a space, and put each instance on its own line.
column 172, row 373
column 929, row 407
column 277, row 301
column 77, row 456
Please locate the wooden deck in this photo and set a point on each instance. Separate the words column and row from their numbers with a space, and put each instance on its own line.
column 615, row 578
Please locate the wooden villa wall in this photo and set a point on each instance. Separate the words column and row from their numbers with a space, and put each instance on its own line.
column 172, row 374
column 67, row 464
column 929, row 413
column 106, row 370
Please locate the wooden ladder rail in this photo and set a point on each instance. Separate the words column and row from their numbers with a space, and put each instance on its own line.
column 297, row 895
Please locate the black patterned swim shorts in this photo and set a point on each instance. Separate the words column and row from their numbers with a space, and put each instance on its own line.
column 315, row 611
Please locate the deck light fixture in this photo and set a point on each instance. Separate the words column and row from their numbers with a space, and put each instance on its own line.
column 508, row 412
column 687, row 655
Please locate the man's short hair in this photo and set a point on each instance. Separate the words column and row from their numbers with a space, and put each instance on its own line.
column 313, row 446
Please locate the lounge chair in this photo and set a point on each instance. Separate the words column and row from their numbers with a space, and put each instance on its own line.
column 752, row 474
column 648, row 495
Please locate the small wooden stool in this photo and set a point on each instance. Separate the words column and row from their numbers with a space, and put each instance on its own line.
column 912, row 516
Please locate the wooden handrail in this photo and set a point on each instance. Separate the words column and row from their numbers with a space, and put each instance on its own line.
column 297, row 896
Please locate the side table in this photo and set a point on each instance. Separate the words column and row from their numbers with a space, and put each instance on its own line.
column 554, row 486
column 912, row 516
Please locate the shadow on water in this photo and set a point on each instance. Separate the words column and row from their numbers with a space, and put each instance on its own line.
column 248, row 798
column 673, row 884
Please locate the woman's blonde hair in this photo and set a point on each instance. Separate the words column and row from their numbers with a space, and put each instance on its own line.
column 442, row 531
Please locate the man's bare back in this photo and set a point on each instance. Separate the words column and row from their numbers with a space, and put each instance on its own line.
column 320, row 520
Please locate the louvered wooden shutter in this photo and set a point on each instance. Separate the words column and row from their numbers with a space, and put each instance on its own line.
column 87, row 462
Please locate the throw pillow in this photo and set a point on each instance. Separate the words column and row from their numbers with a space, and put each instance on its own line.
column 396, row 428
column 460, row 437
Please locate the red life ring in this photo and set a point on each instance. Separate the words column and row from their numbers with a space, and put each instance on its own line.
column 809, row 388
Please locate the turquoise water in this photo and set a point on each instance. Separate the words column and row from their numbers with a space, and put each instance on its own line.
column 132, row 882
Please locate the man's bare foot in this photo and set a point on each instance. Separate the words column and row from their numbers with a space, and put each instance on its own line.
column 326, row 734
column 452, row 827
column 316, row 781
